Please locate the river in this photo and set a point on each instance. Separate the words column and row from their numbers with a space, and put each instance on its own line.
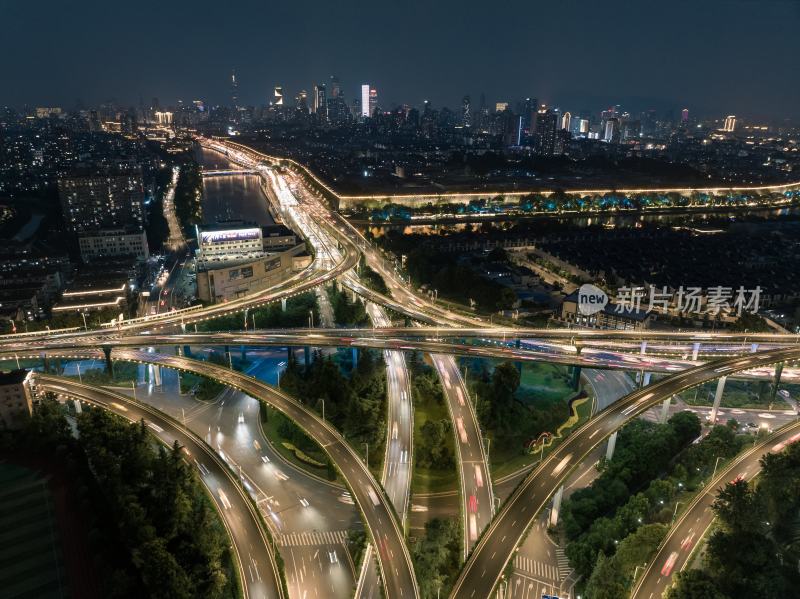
column 231, row 197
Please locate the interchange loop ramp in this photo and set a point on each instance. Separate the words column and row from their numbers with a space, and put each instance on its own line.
column 379, row 518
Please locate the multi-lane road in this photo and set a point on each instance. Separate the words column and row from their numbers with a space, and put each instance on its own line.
column 397, row 571
column 484, row 568
column 309, row 517
column 398, row 456
column 373, row 338
column 674, row 553
column 258, row 569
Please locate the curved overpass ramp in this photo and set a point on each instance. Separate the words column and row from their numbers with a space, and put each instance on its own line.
column 258, row 569
column 495, row 549
column 393, row 557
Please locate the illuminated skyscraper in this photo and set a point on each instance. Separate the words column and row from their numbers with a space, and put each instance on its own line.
column 365, row 100
column 234, row 90
column 547, row 125
column 684, row 116
column 611, row 133
column 373, row 100
column 730, row 123
column 566, row 120
column 277, row 96
column 301, row 100
column 319, row 100
column 466, row 112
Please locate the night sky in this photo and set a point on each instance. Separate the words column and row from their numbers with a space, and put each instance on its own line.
column 715, row 57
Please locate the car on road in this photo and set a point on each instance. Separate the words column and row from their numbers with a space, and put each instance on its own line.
column 669, row 564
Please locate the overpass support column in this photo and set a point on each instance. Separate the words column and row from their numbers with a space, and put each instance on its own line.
column 645, row 378
column 776, row 382
column 717, row 399
column 187, row 351
column 307, row 355
column 156, row 375
column 753, row 348
column 556, row 506
column 664, row 410
column 283, row 304
column 355, row 357
column 643, row 349
column 576, row 377
column 183, row 327
column 612, row 443
column 109, row 363
column 244, row 353
column 695, row 351
column 45, row 363
column 227, row 349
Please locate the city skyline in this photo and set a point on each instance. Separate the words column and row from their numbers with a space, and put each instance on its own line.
column 711, row 59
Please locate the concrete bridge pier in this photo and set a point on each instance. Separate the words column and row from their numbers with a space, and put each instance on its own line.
column 156, row 370
column 576, row 377
column 753, row 348
column 355, row 357
column 664, row 410
column 612, row 444
column 776, row 382
column 283, row 304
column 109, row 363
column 695, row 351
column 717, row 398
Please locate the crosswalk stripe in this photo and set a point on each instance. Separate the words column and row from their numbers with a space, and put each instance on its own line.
column 311, row 538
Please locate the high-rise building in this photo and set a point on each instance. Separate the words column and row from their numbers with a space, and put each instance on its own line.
column 234, row 91
column 373, row 100
column 466, row 112
column 98, row 201
column 684, row 116
column 301, row 100
column 335, row 87
column 320, row 105
column 566, row 121
column 365, row 100
column 611, row 133
column 529, row 109
column 547, row 125
column 277, row 96
column 730, row 123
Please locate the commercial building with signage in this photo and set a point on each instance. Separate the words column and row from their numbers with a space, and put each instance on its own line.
column 223, row 280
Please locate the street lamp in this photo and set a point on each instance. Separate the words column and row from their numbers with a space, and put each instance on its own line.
column 133, row 386
column 715, row 467
column 85, row 328
column 323, row 407
column 311, row 319
column 675, row 512
column 367, row 458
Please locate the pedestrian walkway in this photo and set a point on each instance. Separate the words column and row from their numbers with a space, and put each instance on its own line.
column 298, row 539
column 536, row 569
column 564, row 569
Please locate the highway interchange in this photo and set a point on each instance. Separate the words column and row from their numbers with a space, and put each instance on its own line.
column 383, row 506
